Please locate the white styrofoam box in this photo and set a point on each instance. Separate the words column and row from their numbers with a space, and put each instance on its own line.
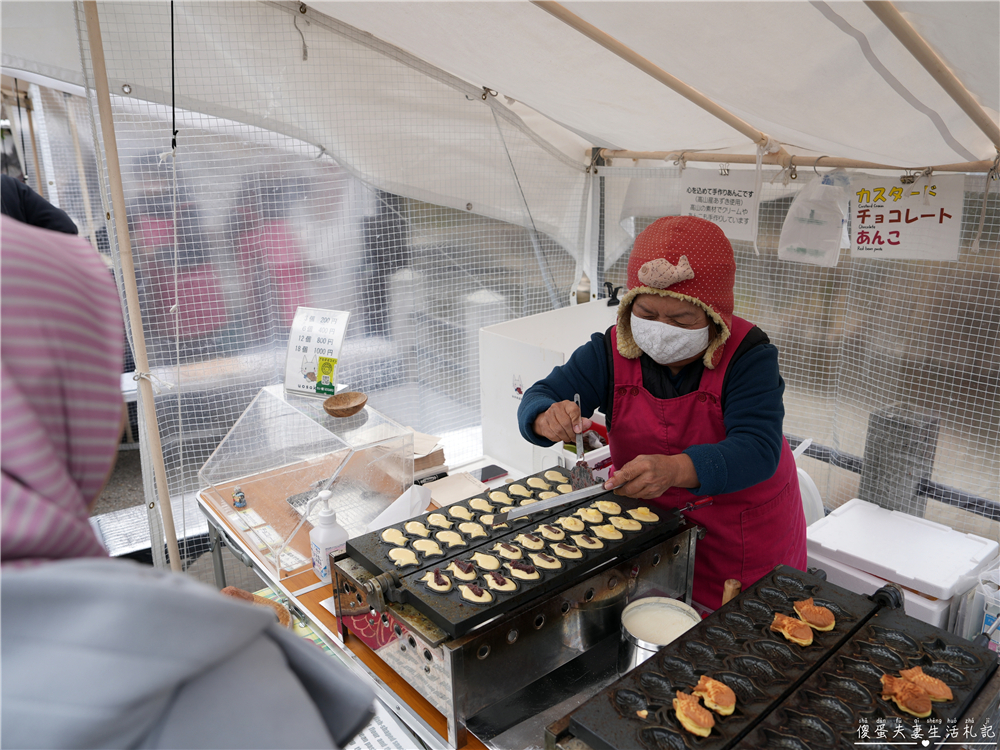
column 515, row 355
column 932, row 611
column 929, row 557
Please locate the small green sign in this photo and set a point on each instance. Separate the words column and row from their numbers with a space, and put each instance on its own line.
column 326, row 383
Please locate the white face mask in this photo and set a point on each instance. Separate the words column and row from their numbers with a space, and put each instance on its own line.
column 665, row 343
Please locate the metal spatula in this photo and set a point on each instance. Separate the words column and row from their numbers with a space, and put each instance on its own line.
column 581, row 475
column 553, row 502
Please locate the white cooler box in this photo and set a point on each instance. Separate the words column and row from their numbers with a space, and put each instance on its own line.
column 861, row 546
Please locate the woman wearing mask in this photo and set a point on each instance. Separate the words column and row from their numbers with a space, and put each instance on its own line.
column 693, row 402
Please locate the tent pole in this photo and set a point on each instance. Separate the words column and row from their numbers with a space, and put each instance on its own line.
column 34, row 150
column 128, row 275
column 632, row 57
column 917, row 46
column 800, row 161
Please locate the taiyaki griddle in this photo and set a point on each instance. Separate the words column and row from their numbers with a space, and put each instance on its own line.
column 826, row 709
column 734, row 646
column 457, row 615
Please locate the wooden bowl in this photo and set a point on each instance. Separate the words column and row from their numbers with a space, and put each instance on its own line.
column 345, row 404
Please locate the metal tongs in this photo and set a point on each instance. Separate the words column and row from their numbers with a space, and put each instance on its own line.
column 581, row 475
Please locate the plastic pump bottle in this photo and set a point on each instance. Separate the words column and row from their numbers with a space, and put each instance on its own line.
column 327, row 537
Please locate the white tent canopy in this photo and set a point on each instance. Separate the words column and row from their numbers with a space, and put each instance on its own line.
column 819, row 78
column 484, row 117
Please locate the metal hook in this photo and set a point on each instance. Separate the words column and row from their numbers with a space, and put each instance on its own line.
column 816, row 164
column 724, row 170
column 487, row 91
column 793, row 173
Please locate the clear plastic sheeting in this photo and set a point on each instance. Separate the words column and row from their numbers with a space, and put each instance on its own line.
column 68, row 137
column 894, row 355
column 314, row 182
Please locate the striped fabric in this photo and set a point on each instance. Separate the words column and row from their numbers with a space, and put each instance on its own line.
column 61, row 352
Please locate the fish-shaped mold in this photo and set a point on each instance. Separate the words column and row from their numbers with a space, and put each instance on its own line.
column 773, row 596
column 849, row 690
column 757, row 668
column 680, row 671
column 779, row 741
column 720, row 637
column 944, row 672
column 738, row 622
column 655, row 685
column 881, row 656
column 778, row 653
column 793, row 586
column 758, row 610
column 629, row 701
column 860, row 670
column 897, row 641
column 955, row 655
column 832, row 710
column 700, row 651
column 812, row 729
column 661, row 738
column 745, row 689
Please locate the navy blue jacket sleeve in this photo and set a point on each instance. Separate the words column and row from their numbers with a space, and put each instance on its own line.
column 753, row 415
column 585, row 373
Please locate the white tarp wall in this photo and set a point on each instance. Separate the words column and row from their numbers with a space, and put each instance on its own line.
column 406, row 197
column 357, row 179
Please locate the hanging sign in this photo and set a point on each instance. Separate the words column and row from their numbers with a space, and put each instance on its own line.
column 728, row 200
column 921, row 221
column 313, row 349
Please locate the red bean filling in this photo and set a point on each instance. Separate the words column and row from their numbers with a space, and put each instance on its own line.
column 508, row 547
column 476, row 591
column 566, row 547
column 546, row 558
column 439, row 579
column 588, row 539
column 498, row 579
column 532, row 538
column 522, row 566
column 551, row 529
column 464, row 566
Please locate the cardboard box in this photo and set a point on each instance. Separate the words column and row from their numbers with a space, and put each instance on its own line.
column 516, row 354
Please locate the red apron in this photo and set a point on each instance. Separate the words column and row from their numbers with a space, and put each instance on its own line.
column 748, row 532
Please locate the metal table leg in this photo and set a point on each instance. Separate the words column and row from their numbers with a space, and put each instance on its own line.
column 217, row 563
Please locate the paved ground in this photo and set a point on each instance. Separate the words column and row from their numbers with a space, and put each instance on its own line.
column 124, row 489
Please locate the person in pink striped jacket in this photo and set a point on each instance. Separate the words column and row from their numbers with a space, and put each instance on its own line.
column 99, row 652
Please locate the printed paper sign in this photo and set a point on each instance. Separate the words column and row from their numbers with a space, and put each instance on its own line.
column 313, row 348
column 892, row 221
column 726, row 200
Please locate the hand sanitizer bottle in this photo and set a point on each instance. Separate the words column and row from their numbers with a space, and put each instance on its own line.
column 327, row 537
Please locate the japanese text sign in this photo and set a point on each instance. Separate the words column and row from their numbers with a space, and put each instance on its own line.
column 726, row 200
column 920, row 221
column 313, row 349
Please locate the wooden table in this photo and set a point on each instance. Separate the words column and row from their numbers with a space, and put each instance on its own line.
column 304, row 599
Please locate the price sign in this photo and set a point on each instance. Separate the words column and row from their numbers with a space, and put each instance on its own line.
column 313, row 350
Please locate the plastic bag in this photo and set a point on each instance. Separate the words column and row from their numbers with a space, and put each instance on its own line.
column 816, row 223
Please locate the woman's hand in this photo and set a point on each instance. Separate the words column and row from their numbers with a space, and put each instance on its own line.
column 561, row 421
column 648, row 477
